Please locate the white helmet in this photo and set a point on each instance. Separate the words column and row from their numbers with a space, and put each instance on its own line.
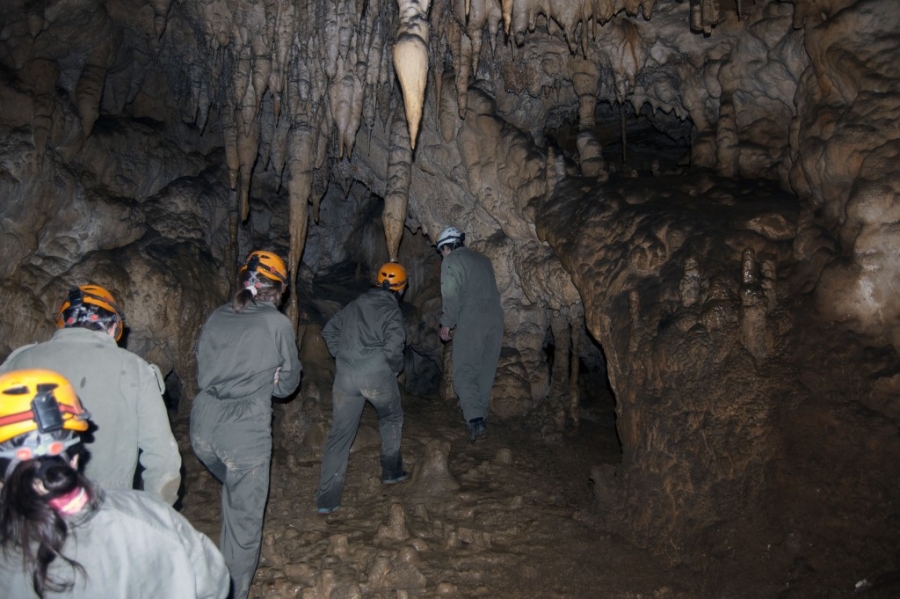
column 450, row 235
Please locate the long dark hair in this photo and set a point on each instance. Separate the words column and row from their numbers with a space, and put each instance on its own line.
column 29, row 525
column 268, row 291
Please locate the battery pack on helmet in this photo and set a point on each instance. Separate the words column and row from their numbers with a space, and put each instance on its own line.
column 46, row 410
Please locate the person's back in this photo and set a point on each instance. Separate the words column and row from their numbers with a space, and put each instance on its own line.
column 368, row 335
column 471, row 275
column 130, row 544
column 471, row 307
column 60, row 535
column 367, row 340
column 124, row 394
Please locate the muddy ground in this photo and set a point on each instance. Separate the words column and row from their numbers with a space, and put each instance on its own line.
column 512, row 516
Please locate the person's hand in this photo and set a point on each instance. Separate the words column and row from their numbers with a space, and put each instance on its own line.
column 445, row 334
column 277, row 372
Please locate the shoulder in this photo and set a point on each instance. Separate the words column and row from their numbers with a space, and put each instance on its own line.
column 136, row 508
column 17, row 353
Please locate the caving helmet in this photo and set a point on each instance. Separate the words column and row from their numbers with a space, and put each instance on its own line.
column 392, row 276
column 40, row 414
column 90, row 304
column 450, row 235
column 267, row 264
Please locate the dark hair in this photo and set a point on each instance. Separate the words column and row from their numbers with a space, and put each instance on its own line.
column 268, row 291
column 28, row 523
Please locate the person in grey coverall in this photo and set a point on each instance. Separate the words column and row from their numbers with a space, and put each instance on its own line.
column 62, row 536
column 122, row 391
column 246, row 354
column 471, row 306
column 367, row 340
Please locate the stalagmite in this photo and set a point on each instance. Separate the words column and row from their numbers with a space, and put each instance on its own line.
column 411, row 60
column 574, row 366
column 397, row 194
column 753, row 308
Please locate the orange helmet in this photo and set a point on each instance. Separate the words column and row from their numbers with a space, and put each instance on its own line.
column 86, row 299
column 36, row 403
column 268, row 264
column 392, row 276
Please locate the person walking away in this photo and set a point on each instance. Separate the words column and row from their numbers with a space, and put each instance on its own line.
column 62, row 536
column 471, row 309
column 366, row 339
column 246, row 354
column 122, row 391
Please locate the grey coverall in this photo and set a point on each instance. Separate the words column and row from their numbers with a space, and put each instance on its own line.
column 231, row 419
column 367, row 340
column 132, row 545
column 471, row 305
column 123, row 393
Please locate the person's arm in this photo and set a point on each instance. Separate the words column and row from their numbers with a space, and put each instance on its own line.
column 211, row 577
column 394, row 340
column 159, row 451
column 331, row 333
column 450, row 292
column 290, row 370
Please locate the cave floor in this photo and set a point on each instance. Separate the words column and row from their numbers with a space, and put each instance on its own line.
column 518, row 524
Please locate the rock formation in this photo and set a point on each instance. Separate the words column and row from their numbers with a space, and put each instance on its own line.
column 738, row 270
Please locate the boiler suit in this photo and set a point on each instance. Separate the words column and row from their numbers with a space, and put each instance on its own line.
column 131, row 545
column 367, row 339
column 123, row 393
column 471, row 305
column 231, row 419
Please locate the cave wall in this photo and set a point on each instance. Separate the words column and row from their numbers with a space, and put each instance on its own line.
column 146, row 146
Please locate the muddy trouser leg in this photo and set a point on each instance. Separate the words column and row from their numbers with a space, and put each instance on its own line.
column 487, row 366
column 202, row 431
column 242, row 441
column 466, row 356
column 347, row 407
column 382, row 390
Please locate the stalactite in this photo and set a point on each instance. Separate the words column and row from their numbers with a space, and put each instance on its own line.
column 464, row 59
column 397, row 193
column 704, row 15
column 42, row 76
column 345, row 101
column 247, row 151
column 506, row 7
column 301, row 144
column 585, row 79
column 411, row 60
column 385, row 84
column 230, row 133
column 160, row 10
column 285, row 24
column 448, row 120
column 279, row 144
column 728, row 148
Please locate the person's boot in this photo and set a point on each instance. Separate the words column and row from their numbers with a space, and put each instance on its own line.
column 393, row 480
column 477, row 428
